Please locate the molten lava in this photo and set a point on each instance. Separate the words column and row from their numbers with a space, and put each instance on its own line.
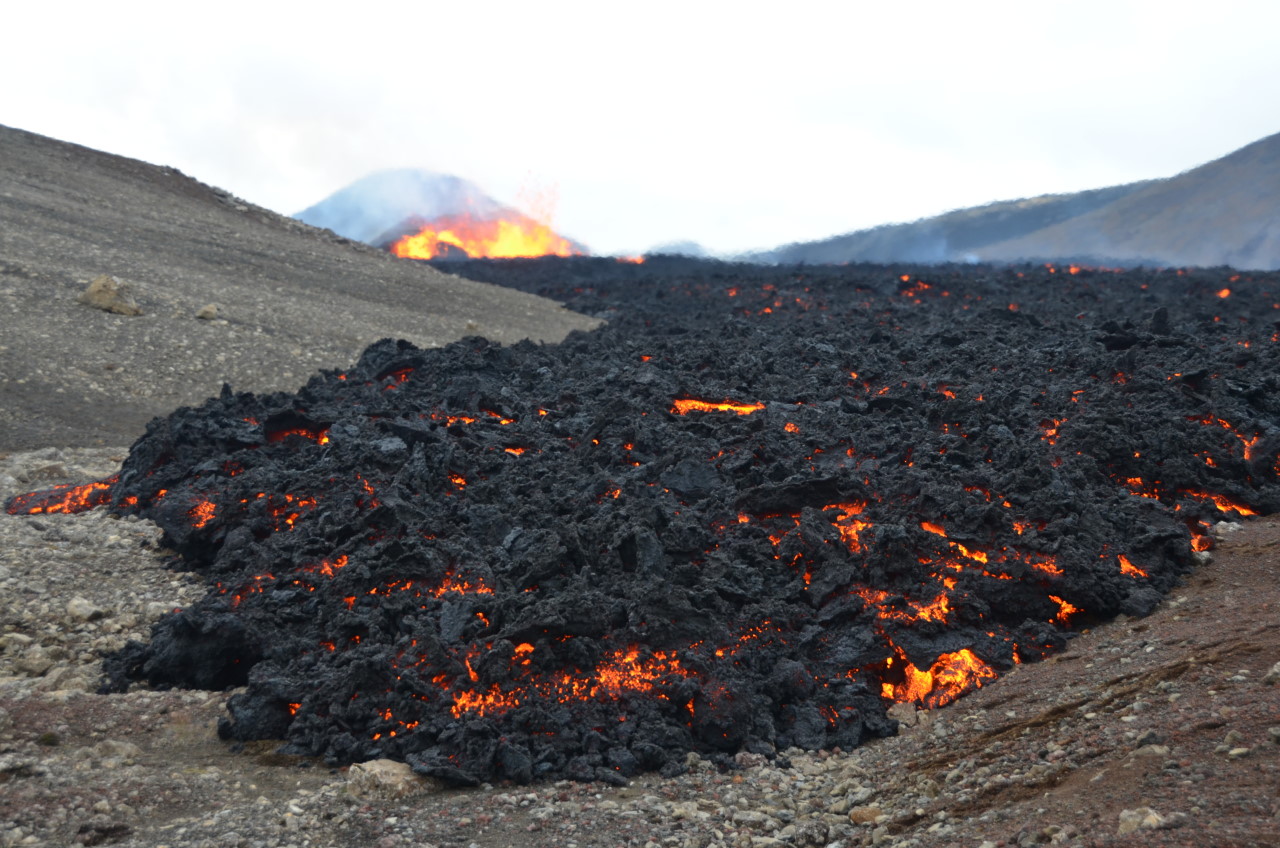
column 498, row 238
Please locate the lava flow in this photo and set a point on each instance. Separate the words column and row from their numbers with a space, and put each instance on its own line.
column 753, row 511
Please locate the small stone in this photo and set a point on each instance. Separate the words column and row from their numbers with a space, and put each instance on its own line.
column 117, row 751
column 1237, row 753
column 34, row 661
column 110, row 294
column 1274, row 733
column 749, row 817
column 1148, row 737
column 1145, row 818
column 386, row 779
column 1132, row 820
column 81, row 609
column 1272, row 677
column 208, row 312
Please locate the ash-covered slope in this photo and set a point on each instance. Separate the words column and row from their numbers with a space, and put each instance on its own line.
column 289, row 298
column 1220, row 213
column 1226, row 212
column 752, row 512
column 955, row 236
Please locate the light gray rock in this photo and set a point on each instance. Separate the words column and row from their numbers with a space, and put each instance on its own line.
column 384, row 779
column 110, row 294
column 81, row 609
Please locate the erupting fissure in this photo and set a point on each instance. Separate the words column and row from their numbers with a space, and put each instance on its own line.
column 497, row 237
column 750, row 521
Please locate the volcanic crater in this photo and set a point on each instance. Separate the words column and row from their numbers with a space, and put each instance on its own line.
column 753, row 511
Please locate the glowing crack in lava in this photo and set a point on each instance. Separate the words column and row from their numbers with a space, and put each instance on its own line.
column 679, row 533
column 498, row 238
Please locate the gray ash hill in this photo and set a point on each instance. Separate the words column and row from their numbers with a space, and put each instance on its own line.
column 1219, row 213
column 752, row 512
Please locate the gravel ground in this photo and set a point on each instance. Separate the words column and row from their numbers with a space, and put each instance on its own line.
column 1163, row 731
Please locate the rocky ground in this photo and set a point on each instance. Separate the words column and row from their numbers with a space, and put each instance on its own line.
column 1163, row 731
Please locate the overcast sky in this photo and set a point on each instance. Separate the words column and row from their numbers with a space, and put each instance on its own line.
column 736, row 124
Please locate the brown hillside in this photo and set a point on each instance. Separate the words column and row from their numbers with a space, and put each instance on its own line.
column 1226, row 212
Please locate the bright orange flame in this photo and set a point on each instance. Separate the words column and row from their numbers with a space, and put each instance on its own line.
column 1224, row 293
column 498, row 238
column 683, row 406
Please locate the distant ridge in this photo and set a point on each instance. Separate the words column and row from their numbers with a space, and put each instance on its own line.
column 1226, row 212
column 953, row 236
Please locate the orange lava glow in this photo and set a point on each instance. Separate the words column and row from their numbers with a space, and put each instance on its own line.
column 952, row 675
column 1065, row 610
column 683, row 406
column 320, row 436
column 202, row 513
column 66, row 499
column 848, row 526
column 618, row 673
column 1222, row 502
column 497, row 238
column 1128, row 569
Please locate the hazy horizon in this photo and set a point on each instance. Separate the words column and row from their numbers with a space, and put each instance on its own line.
column 735, row 129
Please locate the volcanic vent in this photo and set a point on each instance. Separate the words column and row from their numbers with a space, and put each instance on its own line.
column 752, row 512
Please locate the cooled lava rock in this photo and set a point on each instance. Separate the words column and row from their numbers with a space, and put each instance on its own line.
column 752, row 512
